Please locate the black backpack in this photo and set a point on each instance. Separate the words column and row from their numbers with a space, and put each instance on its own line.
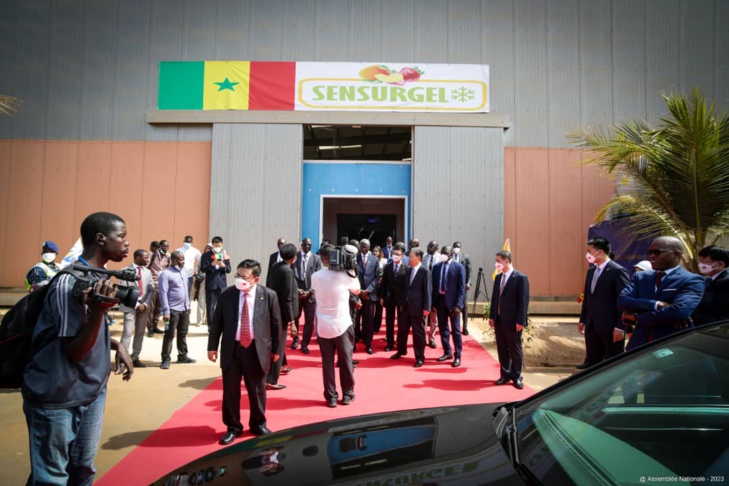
column 16, row 335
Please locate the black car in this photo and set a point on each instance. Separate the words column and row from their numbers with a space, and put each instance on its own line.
column 659, row 414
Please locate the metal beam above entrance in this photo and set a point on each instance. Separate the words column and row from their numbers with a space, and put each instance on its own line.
column 493, row 120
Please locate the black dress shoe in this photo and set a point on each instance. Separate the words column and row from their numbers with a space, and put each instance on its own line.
column 305, row 349
column 294, row 345
column 465, row 332
column 502, row 381
column 138, row 364
column 355, row 362
column 456, row 363
column 444, row 357
column 418, row 364
column 285, row 370
column 347, row 399
column 157, row 330
column 262, row 430
column 582, row 366
column 150, row 333
column 332, row 402
column 432, row 344
column 186, row 360
column 274, row 386
column 388, row 348
column 165, row 365
column 519, row 384
column 229, row 437
column 369, row 350
column 397, row 355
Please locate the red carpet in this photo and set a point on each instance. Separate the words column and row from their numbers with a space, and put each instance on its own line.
column 381, row 384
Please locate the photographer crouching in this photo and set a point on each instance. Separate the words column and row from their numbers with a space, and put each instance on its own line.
column 64, row 383
column 332, row 286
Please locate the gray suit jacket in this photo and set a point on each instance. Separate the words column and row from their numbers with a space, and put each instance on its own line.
column 147, row 284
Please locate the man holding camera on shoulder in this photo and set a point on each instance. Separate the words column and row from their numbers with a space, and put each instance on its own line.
column 64, row 389
column 335, row 328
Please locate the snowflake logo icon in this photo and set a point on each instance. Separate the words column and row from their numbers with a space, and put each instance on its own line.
column 463, row 94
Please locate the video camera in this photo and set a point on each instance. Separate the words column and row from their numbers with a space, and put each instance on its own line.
column 125, row 295
column 344, row 259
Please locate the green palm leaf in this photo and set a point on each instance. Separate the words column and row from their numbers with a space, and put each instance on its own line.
column 678, row 172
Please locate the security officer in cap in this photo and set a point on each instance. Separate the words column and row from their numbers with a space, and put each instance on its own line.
column 43, row 271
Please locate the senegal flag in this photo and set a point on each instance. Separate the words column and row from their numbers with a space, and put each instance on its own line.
column 226, row 85
column 210, row 85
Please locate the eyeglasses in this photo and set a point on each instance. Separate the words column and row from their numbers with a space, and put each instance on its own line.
column 657, row 252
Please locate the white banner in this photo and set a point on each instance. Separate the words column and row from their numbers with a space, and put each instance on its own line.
column 350, row 86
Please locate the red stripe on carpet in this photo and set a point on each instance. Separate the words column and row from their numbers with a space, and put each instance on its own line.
column 272, row 86
column 381, row 384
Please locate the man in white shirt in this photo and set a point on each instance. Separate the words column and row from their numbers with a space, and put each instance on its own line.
column 192, row 258
column 335, row 327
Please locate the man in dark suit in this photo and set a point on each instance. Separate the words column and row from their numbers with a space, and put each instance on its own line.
column 600, row 317
column 416, row 309
column 307, row 263
column 392, row 293
column 508, row 318
column 714, row 305
column 464, row 260
column 215, row 264
column 368, row 269
column 387, row 249
column 248, row 319
column 282, row 281
column 449, row 290
column 275, row 257
column 430, row 260
column 660, row 302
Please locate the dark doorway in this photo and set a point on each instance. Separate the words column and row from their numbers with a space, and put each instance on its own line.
column 374, row 227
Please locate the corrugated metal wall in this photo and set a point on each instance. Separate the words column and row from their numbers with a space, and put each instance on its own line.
column 458, row 190
column 87, row 70
column 255, row 195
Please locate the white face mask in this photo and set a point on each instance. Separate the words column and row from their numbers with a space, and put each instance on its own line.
column 443, row 257
column 590, row 257
column 499, row 267
column 242, row 284
column 706, row 268
column 187, row 245
column 396, row 258
column 217, row 249
column 48, row 257
column 456, row 250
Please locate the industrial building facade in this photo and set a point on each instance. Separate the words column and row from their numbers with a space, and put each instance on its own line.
column 89, row 135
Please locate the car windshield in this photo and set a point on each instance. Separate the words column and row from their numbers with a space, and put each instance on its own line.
column 660, row 413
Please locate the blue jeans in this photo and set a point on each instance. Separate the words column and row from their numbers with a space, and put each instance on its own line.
column 64, row 442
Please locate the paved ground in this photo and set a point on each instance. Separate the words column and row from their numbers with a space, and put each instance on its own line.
column 136, row 408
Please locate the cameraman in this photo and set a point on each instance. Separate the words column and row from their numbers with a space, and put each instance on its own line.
column 64, row 389
column 334, row 327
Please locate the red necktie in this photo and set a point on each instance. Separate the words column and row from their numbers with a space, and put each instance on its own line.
column 141, row 287
column 245, row 323
column 659, row 278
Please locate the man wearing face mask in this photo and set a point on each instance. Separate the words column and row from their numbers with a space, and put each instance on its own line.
column 600, row 320
column 430, row 260
column 248, row 319
column 174, row 299
column 215, row 264
column 392, row 293
column 192, row 258
column 449, row 290
column 464, row 260
column 508, row 318
column 42, row 272
column 714, row 305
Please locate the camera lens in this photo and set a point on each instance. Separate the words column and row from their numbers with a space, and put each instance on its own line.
column 127, row 296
